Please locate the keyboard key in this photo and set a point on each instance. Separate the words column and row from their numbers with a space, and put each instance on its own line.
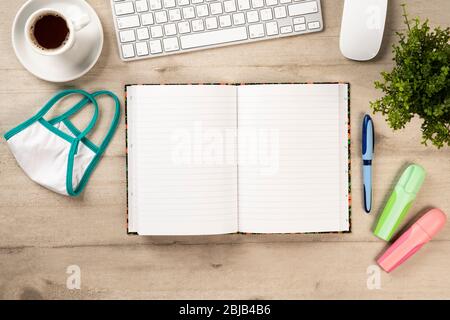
column 257, row 3
column 169, row 3
column 147, row 19
column 225, row 21
column 127, row 36
column 170, row 29
column 266, row 14
column 196, row 1
column 188, row 13
column 303, row 8
column 230, row 6
column 299, row 20
column 141, row 49
column 314, row 25
column 271, row 2
column 238, row 18
column 156, row 31
column 272, row 28
column 244, row 4
column 216, row 8
column 213, row 38
column 155, row 4
column 252, row 16
column 128, row 22
column 202, row 10
column 141, row 6
column 184, row 27
column 143, row 34
column 280, row 12
column 285, row 1
column 299, row 27
column 286, row 29
column 123, row 8
column 155, row 46
column 161, row 16
column 175, row 15
column 256, row 30
column 197, row 25
column 171, row 44
column 183, row 2
column 211, row 23
column 128, row 51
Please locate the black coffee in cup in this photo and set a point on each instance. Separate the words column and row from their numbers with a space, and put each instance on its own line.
column 50, row 31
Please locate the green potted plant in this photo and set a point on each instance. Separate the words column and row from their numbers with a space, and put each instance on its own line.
column 419, row 83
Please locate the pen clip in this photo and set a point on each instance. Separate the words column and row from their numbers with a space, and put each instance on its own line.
column 368, row 133
column 373, row 137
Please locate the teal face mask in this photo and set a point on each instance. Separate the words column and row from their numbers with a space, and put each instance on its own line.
column 54, row 153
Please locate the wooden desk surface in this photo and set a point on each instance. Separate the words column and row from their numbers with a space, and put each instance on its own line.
column 42, row 233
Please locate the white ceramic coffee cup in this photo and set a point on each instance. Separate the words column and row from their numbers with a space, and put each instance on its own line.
column 74, row 23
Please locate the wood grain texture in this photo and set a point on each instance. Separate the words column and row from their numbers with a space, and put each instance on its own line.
column 41, row 233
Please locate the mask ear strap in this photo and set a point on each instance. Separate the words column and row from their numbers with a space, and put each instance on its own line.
column 115, row 120
column 51, row 103
column 80, row 105
column 99, row 153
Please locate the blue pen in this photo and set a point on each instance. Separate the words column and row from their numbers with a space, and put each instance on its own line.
column 368, row 146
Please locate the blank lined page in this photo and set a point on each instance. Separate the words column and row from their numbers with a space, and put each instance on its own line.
column 181, row 164
column 293, row 158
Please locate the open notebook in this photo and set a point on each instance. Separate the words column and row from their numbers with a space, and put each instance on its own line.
column 216, row 159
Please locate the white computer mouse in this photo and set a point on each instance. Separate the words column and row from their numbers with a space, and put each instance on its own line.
column 362, row 28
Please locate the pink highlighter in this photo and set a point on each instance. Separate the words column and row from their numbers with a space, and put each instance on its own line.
column 413, row 239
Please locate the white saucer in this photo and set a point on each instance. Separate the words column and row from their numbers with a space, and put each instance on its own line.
column 74, row 63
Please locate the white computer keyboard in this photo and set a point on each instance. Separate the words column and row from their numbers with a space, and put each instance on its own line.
column 151, row 28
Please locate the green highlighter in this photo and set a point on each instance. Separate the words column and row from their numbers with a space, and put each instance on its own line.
column 400, row 201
